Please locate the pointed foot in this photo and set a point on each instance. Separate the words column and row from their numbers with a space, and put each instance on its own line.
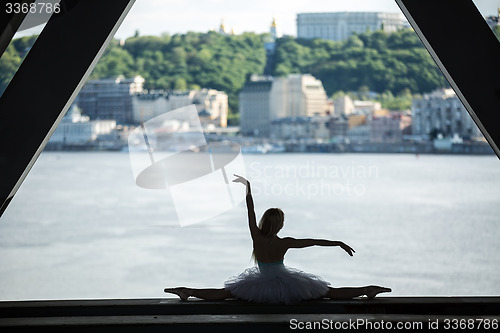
column 373, row 291
column 182, row 292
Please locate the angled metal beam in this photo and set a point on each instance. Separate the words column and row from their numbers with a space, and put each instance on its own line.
column 468, row 54
column 47, row 82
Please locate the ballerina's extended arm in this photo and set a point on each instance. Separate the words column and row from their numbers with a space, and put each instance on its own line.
column 293, row 243
column 252, row 221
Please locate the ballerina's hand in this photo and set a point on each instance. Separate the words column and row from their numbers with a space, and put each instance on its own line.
column 347, row 249
column 240, row 179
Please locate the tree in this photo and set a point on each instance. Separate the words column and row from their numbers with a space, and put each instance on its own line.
column 354, row 42
column 496, row 31
column 379, row 60
column 364, row 92
column 401, row 102
column 9, row 63
column 24, row 44
column 180, row 84
column 116, row 62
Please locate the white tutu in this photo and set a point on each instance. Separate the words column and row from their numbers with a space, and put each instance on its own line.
column 276, row 283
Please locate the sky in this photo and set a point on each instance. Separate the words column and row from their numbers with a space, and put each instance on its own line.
column 154, row 17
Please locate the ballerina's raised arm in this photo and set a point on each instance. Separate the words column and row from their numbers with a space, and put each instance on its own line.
column 252, row 220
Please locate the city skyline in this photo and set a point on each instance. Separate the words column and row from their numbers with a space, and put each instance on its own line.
column 256, row 16
column 246, row 16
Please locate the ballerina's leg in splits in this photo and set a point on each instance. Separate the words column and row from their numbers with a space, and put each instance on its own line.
column 271, row 281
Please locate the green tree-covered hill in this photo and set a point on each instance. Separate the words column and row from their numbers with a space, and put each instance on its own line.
column 192, row 60
column 389, row 64
column 382, row 62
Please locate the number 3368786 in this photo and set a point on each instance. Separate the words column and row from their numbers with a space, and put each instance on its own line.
column 25, row 8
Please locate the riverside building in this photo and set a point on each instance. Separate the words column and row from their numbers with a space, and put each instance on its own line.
column 211, row 104
column 442, row 112
column 110, row 98
column 77, row 130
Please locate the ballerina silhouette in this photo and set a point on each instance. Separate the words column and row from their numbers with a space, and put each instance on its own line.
column 271, row 281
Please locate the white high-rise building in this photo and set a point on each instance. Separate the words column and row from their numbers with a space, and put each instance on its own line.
column 264, row 99
column 341, row 25
column 297, row 95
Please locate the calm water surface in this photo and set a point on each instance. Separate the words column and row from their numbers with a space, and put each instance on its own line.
column 79, row 227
